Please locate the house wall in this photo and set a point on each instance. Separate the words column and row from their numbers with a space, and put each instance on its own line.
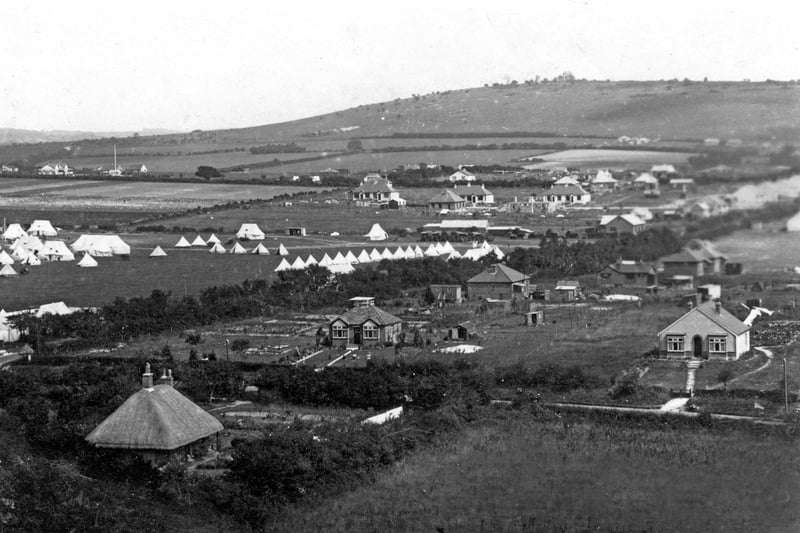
column 684, row 269
column 619, row 225
column 499, row 291
column 697, row 324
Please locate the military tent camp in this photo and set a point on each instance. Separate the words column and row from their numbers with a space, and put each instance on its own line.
column 55, row 308
column 298, row 264
column 30, row 243
column 56, row 251
column 87, row 261
column 238, row 249
column 409, row 252
column 260, row 250
column 5, row 259
column 13, row 232
column 339, row 259
column 376, row 233
column 198, row 241
column 183, row 243
column 375, row 255
column 364, row 257
column 431, row 251
column 250, row 232
column 282, row 250
column 31, row 260
column 350, row 257
column 42, row 228
column 101, row 245
column 326, row 261
column 387, row 254
column 217, row 249
column 793, row 224
column 343, row 268
column 21, row 254
column 283, row 265
column 311, row 260
column 7, row 271
column 158, row 252
column 213, row 239
column 399, row 253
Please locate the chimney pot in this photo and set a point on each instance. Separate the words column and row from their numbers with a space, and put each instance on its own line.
column 147, row 377
column 718, row 306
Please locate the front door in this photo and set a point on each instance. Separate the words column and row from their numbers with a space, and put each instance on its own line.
column 356, row 335
column 697, row 345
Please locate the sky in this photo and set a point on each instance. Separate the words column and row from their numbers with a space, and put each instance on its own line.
column 181, row 65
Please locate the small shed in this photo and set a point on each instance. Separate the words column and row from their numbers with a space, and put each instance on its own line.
column 298, row 231
column 461, row 331
column 534, row 318
column 567, row 290
column 447, row 293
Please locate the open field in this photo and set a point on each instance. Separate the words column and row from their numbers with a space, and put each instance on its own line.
column 521, row 475
column 187, row 163
column 140, row 196
column 611, row 159
column 766, row 251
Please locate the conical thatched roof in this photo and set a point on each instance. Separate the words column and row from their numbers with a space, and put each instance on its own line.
column 155, row 418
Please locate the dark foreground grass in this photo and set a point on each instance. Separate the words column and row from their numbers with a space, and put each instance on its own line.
column 520, row 475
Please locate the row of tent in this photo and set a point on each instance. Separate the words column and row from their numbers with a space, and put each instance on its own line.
column 343, row 263
column 29, row 249
column 39, row 228
column 214, row 245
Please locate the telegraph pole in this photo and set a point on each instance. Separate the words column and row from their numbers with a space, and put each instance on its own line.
column 785, row 389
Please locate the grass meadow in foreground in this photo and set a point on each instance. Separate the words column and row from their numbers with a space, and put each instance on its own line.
column 520, row 475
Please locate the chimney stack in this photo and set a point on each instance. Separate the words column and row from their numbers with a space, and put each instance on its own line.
column 169, row 376
column 147, row 377
column 717, row 306
column 166, row 378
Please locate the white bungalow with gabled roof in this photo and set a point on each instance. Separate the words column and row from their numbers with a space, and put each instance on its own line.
column 705, row 332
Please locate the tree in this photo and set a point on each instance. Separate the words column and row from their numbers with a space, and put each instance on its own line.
column 355, row 146
column 724, row 377
column 240, row 345
column 207, row 172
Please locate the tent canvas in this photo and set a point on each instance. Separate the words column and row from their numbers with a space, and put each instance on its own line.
column 158, row 252
column 282, row 250
column 311, row 260
column 283, row 265
column 182, row 243
column 238, row 249
column 55, row 308
column 431, row 251
column 343, row 268
column 217, row 249
column 387, row 254
column 56, row 251
column 13, row 232
column 250, row 232
column 325, row 261
column 5, row 259
column 42, row 228
column 418, row 251
column 87, row 261
column 375, row 255
column 339, row 259
column 198, row 241
column 31, row 260
column 260, row 250
column 7, row 271
column 213, row 239
column 364, row 257
column 29, row 243
column 376, row 233
column 101, row 245
column 21, row 254
column 298, row 264
column 350, row 257
column 399, row 253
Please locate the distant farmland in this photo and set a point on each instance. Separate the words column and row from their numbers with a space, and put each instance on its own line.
column 612, row 159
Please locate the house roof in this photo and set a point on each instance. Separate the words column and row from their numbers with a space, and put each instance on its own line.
column 446, row 197
column 685, row 256
column 156, row 418
column 630, row 218
column 566, row 180
column 723, row 319
column 373, row 184
column 498, row 273
column 632, row 267
column 463, row 171
column 604, row 176
column 568, row 284
column 359, row 315
column 705, row 248
column 670, row 169
column 463, row 190
column 646, row 178
column 567, row 190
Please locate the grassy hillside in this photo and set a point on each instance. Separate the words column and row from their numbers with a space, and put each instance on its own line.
column 668, row 111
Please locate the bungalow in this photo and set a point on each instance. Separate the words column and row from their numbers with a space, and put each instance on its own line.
column 477, row 195
column 566, row 195
column 604, row 181
column 447, row 199
column 685, row 263
column 707, row 331
column 628, row 274
column 708, row 207
column 364, row 324
column 461, row 174
column 621, row 224
column 707, row 250
column 663, row 171
column 567, row 290
column 446, row 293
column 646, row 182
column 376, row 189
column 498, row 282
column 684, row 184
column 56, row 169
column 158, row 423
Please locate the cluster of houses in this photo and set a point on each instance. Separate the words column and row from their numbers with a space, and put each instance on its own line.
column 60, row 168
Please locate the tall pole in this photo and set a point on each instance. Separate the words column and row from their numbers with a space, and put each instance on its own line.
column 785, row 389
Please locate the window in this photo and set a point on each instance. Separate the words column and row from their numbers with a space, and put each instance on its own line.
column 370, row 331
column 716, row 345
column 339, row 331
column 675, row 343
